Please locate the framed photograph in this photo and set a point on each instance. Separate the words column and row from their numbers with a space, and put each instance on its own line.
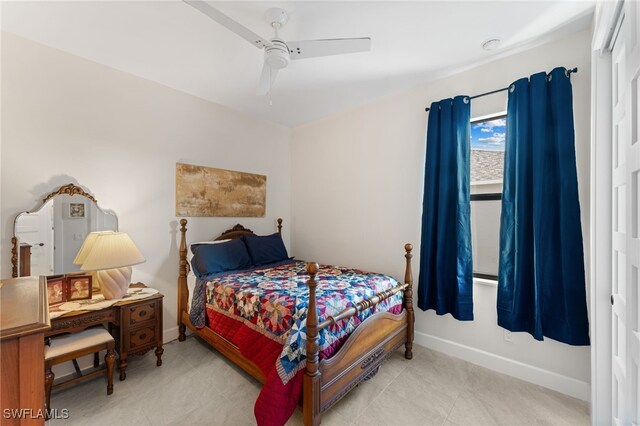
column 76, row 210
column 56, row 290
column 79, row 287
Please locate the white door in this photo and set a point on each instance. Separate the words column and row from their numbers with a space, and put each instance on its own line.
column 625, row 320
column 36, row 229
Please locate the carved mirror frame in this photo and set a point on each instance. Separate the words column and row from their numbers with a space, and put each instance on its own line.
column 69, row 189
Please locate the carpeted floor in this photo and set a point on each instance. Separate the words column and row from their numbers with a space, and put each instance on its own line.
column 198, row 386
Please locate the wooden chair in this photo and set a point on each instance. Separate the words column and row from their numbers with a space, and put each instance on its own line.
column 68, row 347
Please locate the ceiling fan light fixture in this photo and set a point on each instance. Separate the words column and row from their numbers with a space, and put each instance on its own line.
column 277, row 55
column 491, row 43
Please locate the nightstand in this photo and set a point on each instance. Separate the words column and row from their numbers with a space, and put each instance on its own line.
column 139, row 330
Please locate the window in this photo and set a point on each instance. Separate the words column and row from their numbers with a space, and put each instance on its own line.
column 487, row 149
column 487, row 164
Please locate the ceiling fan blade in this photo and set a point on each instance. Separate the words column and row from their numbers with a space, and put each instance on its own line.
column 229, row 23
column 267, row 78
column 336, row 46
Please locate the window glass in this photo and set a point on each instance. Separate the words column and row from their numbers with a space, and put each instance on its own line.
column 487, row 164
column 485, row 234
column 487, row 149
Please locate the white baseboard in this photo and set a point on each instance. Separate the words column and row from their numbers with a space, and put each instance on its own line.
column 539, row 376
column 170, row 334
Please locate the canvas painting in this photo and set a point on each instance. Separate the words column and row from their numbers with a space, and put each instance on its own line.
column 210, row 192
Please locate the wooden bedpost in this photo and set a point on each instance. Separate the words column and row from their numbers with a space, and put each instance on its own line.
column 183, row 290
column 408, row 302
column 279, row 225
column 311, row 381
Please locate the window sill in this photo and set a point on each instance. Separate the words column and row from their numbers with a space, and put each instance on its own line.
column 486, row 182
column 484, row 281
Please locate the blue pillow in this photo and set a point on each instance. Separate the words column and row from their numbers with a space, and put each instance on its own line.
column 213, row 258
column 265, row 249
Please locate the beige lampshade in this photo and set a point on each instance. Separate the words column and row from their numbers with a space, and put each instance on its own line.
column 86, row 247
column 107, row 250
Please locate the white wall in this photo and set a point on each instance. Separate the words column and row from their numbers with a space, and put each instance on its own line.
column 66, row 119
column 357, row 180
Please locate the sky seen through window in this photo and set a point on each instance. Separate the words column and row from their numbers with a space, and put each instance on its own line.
column 489, row 135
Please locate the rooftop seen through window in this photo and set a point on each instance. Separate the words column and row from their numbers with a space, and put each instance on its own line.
column 487, row 149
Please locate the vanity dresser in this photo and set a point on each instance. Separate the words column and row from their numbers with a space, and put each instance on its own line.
column 46, row 241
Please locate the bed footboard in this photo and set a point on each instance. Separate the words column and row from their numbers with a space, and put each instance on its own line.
column 367, row 348
column 376, row 339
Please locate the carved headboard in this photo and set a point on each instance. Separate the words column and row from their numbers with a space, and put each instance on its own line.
column 238, row 231
column 183, row 290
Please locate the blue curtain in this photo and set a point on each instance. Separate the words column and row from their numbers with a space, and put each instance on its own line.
column 446, row 271
column 541, row 284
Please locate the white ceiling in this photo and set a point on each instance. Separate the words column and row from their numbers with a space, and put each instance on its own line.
column 412, row 42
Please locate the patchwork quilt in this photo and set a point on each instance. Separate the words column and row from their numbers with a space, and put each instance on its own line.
column 263, row 311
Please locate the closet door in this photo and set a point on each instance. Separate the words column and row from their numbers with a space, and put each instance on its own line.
column 625, row 322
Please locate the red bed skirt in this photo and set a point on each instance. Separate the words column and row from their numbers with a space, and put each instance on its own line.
column 277, row 400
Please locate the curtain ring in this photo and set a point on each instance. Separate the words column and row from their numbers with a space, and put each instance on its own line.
column 512, row 88
column 549, row 77
column 465, row 99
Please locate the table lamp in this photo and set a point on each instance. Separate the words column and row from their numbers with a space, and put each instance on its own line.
column 111, row 254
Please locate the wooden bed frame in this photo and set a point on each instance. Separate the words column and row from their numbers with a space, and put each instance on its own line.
column 326, row 381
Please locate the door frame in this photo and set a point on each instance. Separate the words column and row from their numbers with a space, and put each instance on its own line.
column 606, row 18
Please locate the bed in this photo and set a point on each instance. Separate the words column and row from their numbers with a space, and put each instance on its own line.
column 327, row 337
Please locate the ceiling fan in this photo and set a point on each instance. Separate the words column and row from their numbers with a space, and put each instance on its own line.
column 277, row 52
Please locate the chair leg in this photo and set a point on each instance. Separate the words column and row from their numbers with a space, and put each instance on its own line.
column 48, row 383
column 76, row 367
column 110, row 359
column 96, row 360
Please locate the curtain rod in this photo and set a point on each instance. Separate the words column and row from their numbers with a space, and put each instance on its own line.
column 506, row 88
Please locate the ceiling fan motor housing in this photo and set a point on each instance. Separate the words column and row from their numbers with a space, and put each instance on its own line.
column 277, row 55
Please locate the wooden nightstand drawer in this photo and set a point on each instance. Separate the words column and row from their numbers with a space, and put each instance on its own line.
column 142, row 337
column 140, row 329
column 142, row 313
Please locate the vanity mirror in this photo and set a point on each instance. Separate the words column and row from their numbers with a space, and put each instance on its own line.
column 46, row 241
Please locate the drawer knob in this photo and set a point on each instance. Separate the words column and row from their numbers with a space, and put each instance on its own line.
column 143, row 313
column 142, row 336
